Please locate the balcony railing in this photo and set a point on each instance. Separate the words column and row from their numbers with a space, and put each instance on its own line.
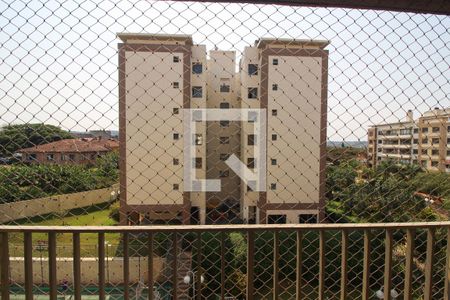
column 283, row 247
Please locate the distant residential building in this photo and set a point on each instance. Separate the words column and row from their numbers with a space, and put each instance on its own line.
column 104, row 134
column 69, row 151
column 425, row 141
column 162, row 74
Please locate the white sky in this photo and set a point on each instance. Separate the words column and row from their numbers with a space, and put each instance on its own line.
column 58, row 61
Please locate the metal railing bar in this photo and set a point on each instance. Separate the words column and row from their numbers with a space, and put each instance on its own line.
column 344, row 266
column 388, row 265
column 205, row 228
column 126, row 266
column 101, row 265
column 150, row 265
column 299, row 262
column 4, row 249
column 222, row 266
column 276, row 268
column 174, row 267
column 52, row 265
column 250, row 263
column 76, row 266
column 410, row 244
column 366, row 266
column 198, row 278
column 28, row 261
column 447, row 269
column 321, row 292
column 431, row 239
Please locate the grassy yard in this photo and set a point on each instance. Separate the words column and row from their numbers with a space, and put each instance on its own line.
column 95, row 216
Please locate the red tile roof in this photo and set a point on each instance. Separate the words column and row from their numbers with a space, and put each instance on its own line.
column 75, row 145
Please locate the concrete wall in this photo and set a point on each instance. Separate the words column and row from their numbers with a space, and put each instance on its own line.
column 89, row 270
column 55, row 204
column 151, row 124
column 297, row 126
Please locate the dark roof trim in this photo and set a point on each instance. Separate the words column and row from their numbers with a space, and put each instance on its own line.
column 440, row 7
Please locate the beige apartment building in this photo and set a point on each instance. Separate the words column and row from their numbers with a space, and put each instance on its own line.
column 425, row 141
column 160, row 75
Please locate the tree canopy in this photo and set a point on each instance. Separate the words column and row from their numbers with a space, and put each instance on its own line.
column 15, row 137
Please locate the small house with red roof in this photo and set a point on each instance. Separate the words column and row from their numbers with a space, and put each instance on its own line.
column 69, row 151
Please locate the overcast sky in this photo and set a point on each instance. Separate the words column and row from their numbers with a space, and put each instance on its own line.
column 58, row 62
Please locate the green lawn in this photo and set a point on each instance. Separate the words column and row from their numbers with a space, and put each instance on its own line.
column 94, row 216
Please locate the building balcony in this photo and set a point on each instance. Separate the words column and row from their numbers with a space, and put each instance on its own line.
column 275, row 260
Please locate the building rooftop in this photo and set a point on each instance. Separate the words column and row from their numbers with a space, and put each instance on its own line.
column 187, row 39
column 74, row 145
column 437, row 112
column 262, row 42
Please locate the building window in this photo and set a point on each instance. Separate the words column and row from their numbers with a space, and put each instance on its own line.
column 416, row 141
column 424, row 163
column 224, row 140
column 176, row 111
column 252, row 93
column 425, row 129
column 425, row 141
column 435, row 129
column 197, row 68
column 176, row 59
column 176, row 85
column 198, row 139
column 198, row 162
column 252, row 116
column 224, row 123
column 424, row 151
column 176, row 161
column 225, row 88
column 448, row 141
column 273, row 161
column 224, row 156
column 273, row 186
column 224, row 173
column 176, row 136
column 416, row 130
column 448, row 152
column 307, row 219
column 434, row 152
column 252, row 69
column 276, row 219
column 274, row 112
column 415, row 151
column 434, row 164
column 251, row 162
column 448, row 128
column 435, row 141
column 72, row 157
column 176, row 187
column 224, row 105
column 274, row 87
column 275, row 61
column 50, row 157
column 251, row 139
column 274, row 137
column 197, row 92
column 32, row 156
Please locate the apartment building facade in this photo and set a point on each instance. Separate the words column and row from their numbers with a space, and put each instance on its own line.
column 425, row 141
column 160, row 75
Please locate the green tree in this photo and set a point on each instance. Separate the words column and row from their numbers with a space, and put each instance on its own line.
column 15, row 137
